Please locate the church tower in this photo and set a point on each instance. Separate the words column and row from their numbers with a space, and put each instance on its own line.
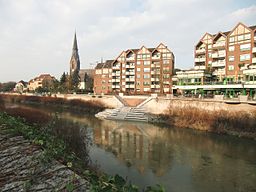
column 74, row 61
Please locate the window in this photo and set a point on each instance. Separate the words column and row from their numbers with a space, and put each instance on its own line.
column 247, row 36
column 138, row 76
column 209, row 46
column 146, row 76
column 166, row 69
column 231, row 39
column 138, row 62
column 240, row 37
column 166, row 76
column 245, row 57
column 146, row 69
column 231, row 58
column 231, row 67
column 245, row 47
column 138, row 69
column 146, row 62
column 231, row 48
column 146, row 83
column 165, row 61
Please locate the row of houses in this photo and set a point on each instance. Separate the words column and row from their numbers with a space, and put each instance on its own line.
column 35, row 83
column 136, row 71
column 223, row 62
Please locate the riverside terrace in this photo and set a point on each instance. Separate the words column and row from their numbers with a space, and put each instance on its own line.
column 199, row 82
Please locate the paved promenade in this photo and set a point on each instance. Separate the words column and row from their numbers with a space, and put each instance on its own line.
column 22, row 170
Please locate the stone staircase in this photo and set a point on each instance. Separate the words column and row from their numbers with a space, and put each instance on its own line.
column 124, row 113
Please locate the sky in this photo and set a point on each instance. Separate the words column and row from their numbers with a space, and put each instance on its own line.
column 36, row 36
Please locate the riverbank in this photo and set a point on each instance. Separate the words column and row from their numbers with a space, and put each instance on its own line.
column 78, row 105
column 41, row 150
column 238, row 121
column 204, row 115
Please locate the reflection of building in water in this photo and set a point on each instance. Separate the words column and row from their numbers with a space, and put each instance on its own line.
column 140, row 145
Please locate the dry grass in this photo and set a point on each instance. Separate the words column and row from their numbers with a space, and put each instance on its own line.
column 74, row 104
column 221, row 121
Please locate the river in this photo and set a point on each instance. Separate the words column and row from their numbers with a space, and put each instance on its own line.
column 181, row 160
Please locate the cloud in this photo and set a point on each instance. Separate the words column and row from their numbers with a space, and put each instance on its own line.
column 36, row 36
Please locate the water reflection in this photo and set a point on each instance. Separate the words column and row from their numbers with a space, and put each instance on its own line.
column 179, row 159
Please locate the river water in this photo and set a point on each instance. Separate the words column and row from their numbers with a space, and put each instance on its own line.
column 181, row 160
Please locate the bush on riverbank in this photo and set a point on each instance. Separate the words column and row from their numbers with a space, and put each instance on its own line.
column 239, row 123
column 91, row 107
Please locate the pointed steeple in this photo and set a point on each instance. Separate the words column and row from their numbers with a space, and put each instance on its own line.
column 75, row 48
column 74, row 61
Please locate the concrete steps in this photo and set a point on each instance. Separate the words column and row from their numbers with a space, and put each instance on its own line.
column 125, row 114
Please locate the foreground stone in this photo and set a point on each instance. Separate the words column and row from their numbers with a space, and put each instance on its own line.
column 22, row 168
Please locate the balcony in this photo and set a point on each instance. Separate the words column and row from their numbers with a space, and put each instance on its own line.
column 254, row 49
column 254, row 60
column 219, row 54
column 216, row 45
column 202, row 67
column 130, row 66
column 116, row 74
column 219, row 72
column 200, row 59
column 155, row 72
column 115, row 86
column 116, row 67
column 130, row 79
column 221, row 63
column 115, row 80
column 129, row 72
column 130, row 58
column 130, row 86
column 155, row 57
column 198, row 51
column 155, row 86
column 155, row 79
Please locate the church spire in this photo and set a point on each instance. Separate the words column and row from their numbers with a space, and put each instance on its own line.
column 74, row 61
column 75, row 48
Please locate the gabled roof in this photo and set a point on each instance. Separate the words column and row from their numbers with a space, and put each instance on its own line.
column 218, row 35
column 108, row 64
column 99, row 65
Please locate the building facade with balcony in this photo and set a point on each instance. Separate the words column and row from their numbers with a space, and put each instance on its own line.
column 141, row 71
column 103, row 78
column 227, row 54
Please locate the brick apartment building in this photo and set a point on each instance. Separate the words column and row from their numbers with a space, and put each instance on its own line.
column 228, row 55
column 136, row 71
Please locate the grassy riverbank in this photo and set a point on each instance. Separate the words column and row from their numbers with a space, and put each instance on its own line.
column 78, row 105
column 56, row 148
column 239, row 123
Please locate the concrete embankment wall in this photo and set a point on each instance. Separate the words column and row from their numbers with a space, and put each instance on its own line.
column 108, row 101
column 160, row 105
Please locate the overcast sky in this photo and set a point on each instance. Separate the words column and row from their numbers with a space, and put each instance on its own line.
column 36, row 36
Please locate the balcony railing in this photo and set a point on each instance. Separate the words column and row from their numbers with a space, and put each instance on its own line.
column 130, row 66
column 221, row 63
column 200, row 51
column 200, row 67
column 155, row 79
column 200, row 59
column 215, row 45
column 130, row 58
column 130, row 79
